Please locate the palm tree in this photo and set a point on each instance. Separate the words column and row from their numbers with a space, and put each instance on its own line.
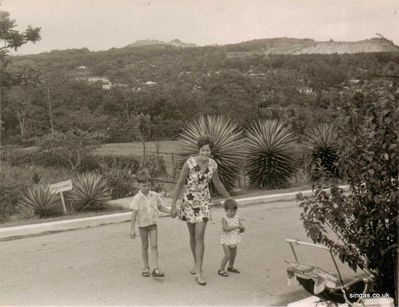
column 271, row 153
column 228, row 151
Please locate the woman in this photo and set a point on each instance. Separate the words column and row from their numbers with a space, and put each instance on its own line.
column 198, row 171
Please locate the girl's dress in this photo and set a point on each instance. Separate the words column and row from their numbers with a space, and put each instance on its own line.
column 196, row 197
column 231, row 238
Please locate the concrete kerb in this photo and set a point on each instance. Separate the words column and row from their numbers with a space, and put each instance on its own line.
column 16, row 232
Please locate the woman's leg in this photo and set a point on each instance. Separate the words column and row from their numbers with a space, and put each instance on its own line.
column 233, row 256
column 227, row 257
column 199, row 247
column 144, row 245
column 191, row 230
column 154, row 245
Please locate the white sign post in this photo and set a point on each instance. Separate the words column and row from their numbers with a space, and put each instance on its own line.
column 60, row 187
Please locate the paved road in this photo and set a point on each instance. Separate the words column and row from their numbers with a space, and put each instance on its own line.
column 102, row 265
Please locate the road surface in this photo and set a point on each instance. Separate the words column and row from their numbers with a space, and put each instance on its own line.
column 102, row 265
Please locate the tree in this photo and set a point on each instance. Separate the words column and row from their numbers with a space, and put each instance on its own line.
column 22, row 93
column 13, row 39
column 365, row 220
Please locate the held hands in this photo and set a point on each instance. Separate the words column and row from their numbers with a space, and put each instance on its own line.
column 242, row 228
column 173, row 211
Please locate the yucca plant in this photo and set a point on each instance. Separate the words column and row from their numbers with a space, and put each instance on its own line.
column 89, row 192
column 228, row 151
column 40, row 201
column 271, row 154
column 321, row 141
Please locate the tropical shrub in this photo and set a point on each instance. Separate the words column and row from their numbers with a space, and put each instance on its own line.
column 361, row 226
column 271, row 154
column 228, row 151
column 321, row 141
column 14, row 179
column 90, row 192
column 40, row 201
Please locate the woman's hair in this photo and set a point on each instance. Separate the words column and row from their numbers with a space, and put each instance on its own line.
column 230, row 204
column 205, row 140
column 143, row 176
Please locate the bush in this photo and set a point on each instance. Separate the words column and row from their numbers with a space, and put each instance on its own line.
column 365, row 220
column 322, row 151
column 8, row 200
column 15, row 179
column 121, row 182
column 40, row 201
column 272, row 154
column 228, row 150
column 90, row 192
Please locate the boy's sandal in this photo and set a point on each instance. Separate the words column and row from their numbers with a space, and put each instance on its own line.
column 158, row 273
column 146, row 272
column 232, row 269
column 223, row 273
column 193, row 272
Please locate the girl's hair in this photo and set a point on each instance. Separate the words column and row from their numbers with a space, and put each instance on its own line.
column 143, row 176
column 230, row 204
column 205, row 140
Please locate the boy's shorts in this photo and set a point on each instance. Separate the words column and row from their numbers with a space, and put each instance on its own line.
column 149, row 227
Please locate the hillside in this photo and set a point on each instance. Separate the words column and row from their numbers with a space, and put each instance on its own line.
column 150, row 42
column 308, row 46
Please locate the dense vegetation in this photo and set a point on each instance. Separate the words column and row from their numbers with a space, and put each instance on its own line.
column 156, row 88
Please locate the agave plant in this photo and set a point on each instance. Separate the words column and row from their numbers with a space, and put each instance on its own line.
column 39, row 200
column 228, row 151
column 322, row 151
column 271, row 153
column 90, row 192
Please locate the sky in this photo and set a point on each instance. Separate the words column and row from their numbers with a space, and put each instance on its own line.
column 104, row 24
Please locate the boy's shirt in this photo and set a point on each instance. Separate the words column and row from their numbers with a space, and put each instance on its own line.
column 146, row 207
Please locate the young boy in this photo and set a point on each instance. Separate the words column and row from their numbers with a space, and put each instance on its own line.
column 145, row 205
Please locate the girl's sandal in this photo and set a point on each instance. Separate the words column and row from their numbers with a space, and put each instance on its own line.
column 146, row 272
column 223, row 273
column 193, row 272
column 157, row 273
column 232, row 269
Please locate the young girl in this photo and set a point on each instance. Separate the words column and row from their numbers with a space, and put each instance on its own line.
column 232, row 227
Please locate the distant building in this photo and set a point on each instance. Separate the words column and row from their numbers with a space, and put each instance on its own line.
column 150, row 83
column 305, row 90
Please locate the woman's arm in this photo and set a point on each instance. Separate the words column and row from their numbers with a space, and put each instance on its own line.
column 226, row 227
column 182, row 179
column 219, row 185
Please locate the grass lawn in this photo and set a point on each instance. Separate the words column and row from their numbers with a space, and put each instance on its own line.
column 136, row 148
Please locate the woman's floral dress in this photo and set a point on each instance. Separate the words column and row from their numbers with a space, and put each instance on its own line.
column 196, row 197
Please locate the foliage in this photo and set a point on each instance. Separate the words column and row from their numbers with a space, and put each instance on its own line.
column 90, row 192
column 186, row 83
column 39, row 200
column 16, row 178
column 364, row 221
column 228, row 150
column 121, row 182
column 322, row 143
column 271, row 154
column 72, row 146
column 13, row 39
